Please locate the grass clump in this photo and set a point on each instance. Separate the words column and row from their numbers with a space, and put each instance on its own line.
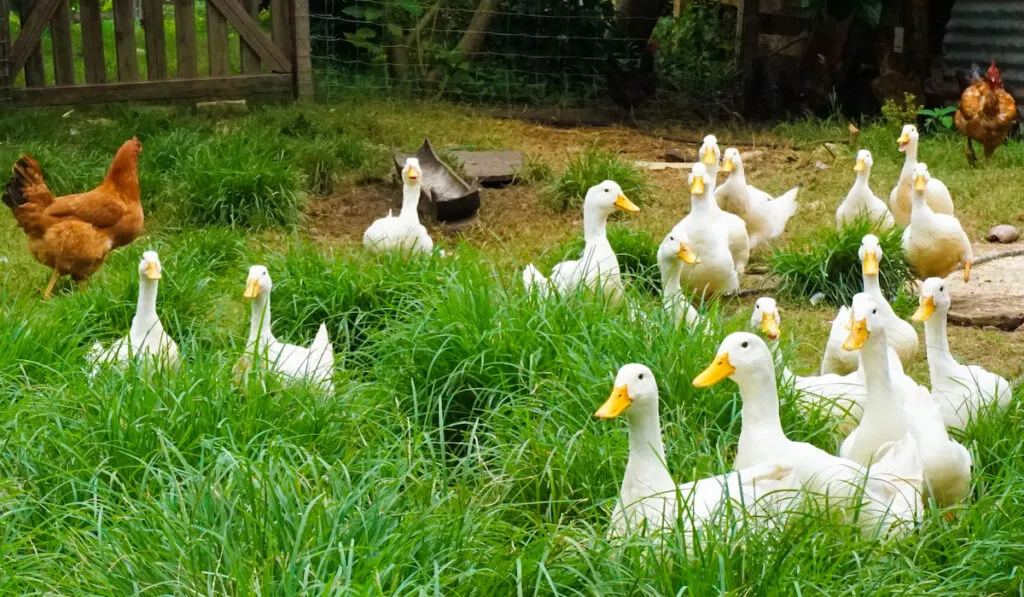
column 589, row 168
column 830, row 264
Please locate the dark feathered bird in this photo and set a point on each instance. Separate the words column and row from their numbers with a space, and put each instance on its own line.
column 634, row 87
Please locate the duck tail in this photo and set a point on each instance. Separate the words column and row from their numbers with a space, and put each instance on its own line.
column 321, row 352
column 784, row 206
column 532, row 278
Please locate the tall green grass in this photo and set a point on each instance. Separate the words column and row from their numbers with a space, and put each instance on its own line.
column 588, row 168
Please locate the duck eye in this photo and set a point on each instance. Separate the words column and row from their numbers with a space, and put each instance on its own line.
column 745, row 344
column 942, row 289
column 874, row 311
column 641, row 376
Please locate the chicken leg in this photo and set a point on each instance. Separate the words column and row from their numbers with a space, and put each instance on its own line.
column 53, row 282
column 972, row 158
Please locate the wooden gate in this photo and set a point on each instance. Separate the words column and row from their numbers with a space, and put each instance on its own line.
column 265, row 63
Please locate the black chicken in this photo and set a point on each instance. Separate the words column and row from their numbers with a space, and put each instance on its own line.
column 633, row 88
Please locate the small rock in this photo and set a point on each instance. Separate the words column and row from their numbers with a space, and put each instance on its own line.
column 817, row 298
column 1003, row 233
column 820, row 165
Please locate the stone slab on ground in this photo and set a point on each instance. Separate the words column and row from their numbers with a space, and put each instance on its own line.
column 491, row 167
column 995, row 295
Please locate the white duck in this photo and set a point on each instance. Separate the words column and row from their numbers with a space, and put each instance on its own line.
column 739, row 240
column 861, row 202
column 146, row 337
column 891, row 492
column 765, row 217
column 708, row 229
column 935, row 243
column 649, row 495
column 836, row 360
column 842, row 396
column 962, row 391
column 937, row 194
column 710, row 155
column 403, row 232
column 314, row 365
column 902, row 335
column 598, row 266
column 672, row 254
column 894, row 414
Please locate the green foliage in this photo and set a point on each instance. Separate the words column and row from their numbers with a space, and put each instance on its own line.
column 535, row 171
column 586, row 169
column 830, row 264
column 695, row 55
column 897, row 113
column 938, row 120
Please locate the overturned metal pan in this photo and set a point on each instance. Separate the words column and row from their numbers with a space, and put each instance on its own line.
column 444, row 196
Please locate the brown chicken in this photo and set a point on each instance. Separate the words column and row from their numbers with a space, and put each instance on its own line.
column 987, row 113
column 74, row 234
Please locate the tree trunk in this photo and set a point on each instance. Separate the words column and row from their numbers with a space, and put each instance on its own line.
column 472, row 39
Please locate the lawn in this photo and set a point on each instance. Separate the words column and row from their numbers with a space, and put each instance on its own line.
column 458, row 454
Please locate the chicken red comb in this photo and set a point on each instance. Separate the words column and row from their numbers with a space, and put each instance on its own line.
column 994, row 78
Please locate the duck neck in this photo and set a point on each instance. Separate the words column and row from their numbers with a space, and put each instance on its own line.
column 145, row 308
column 874, row 359
column 671, row 270
column 861, row 182
column 872, row 287
column 920, row 205
column 761, row 424
column 410, row 201
column 911, row 152
column 937, row 343
column 259, row 325
column 704, row 205
column 736, row 177
column 595, row 225
column 646, row 449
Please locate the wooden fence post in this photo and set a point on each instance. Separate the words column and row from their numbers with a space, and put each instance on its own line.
column 302, row 64
column 5, row 51
column 748, row 43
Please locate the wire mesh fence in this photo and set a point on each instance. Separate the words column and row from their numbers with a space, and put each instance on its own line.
column 511, row 51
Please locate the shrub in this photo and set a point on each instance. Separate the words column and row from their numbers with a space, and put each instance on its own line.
column 695, row 53
column 830, row 265
column 589, row 168
column 899, row 112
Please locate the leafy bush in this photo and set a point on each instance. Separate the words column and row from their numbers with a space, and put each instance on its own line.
column 589, row 168
column 695, row 55
column 899, row 112
column 937, row 120
column 830, row 264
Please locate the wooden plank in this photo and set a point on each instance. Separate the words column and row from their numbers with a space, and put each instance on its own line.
column 156, row 50
column 124, row 41
column 5, row 48
column 281, row 24
column 217, row 41
column 34, row 20
column 231, row 87
column 250, row 31
column 303, row 64
column 92, row 41
column 63, row 58
column 185, row 39
column 250, row 59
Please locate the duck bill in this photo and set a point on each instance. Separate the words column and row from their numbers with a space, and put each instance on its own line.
column 903, row 141
column 622, row 202
column 252, row 289
column 615, row 405
column 924, row 309
column 770, row 326
column 697, row 187
column 858, row 335
column 920, row 183
column 870, row 264
column 728, row 166
column 153, row 271
column 687, row 255
column 413, row 174
column 708, row 158
column 859, row 166
column 720, row 369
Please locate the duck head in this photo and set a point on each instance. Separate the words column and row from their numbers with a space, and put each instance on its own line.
column 765, row 317
column 732, row 160
column 709, row 154
column 677, row 246
column 921, row 177
column 870, row 254
column 149, row 267
column 864, row 162
column 907, row 137
column 934, row 297
column 635, row 388
column 699, row 179
column 740, row 355
column 866, row 322
column 607, row 197
column 411, row 173
column 258, row 283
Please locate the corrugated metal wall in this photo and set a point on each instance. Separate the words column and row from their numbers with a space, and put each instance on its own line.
column 982, row 30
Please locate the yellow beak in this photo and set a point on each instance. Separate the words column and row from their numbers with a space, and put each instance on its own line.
column 697, row 188
column 904, row 139
column 687, row 255
column 625, row 204
column 153, row 271
column 770, row 326
column 716, row 372
column 870, row 264
column 727, row 165
column 252, row 289
column 920, row 183
column 924, row 309
column 414, row 174
column 709, row 157
column 859, row 166
column 614, row 406
column 858, row 335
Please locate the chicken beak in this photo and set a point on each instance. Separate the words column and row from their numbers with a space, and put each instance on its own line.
column 716, row 372
column 727, row 165
column 920, row 183
column 414, row 174
column 708, row 158
column 858, row 335
column 687, row 255
column 252, row 289
column 870, row 264
column 859, row 167
column 618, row 402
column 697, row 186
column 153, row 271
column 770, row 326
column 924, row 309
column 622, row 202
